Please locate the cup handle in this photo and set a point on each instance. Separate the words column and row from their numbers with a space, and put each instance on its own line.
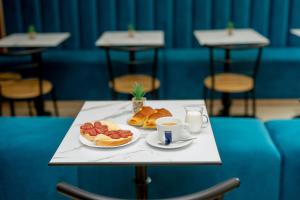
column 204, row 122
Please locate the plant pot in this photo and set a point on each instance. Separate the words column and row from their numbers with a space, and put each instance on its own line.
column 131, row 33
column 32, row 35
column 230, row 31
column 137, row 104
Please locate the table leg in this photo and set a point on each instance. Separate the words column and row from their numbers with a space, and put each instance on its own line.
column 226, row 101
column 141, row 180
column 131, row 68
column 36, row 58
column 226, row 104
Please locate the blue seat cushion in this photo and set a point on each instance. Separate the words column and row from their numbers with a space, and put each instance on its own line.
column 247, row 152
column 26, row 147
column 286, row 136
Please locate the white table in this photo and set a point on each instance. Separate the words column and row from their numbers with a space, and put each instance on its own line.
column 221, row 37
column 141, row 38
column 241, row 38
column 34, row 48
column 71, row 151
column 42, row 40
column 295, row 32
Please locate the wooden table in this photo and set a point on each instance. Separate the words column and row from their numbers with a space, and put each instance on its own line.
column 203, row 150
column 220, row 39
column 34, row 48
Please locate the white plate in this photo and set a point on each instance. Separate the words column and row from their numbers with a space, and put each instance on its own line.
column 134, row 131
column 152, row 140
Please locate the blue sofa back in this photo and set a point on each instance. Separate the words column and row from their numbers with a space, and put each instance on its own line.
column 87, row 19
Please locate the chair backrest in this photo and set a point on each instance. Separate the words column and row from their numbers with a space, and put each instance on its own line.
column 213, row 193
column 132, row 62
column 228, row 61
column 35, row 65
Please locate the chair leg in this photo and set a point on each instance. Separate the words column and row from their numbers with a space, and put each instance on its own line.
column 246, row 97
column 211, row 109
column 1, row 103
column 114, row 95
column 12, row 107
column 253, row 103
column 154, row 94
column 54, row 100
column 29, row 108
column 205, row 94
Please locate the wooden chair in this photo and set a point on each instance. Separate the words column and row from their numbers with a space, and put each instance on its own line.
column 216, row 192
column 229, row 82
column 124, row 83
column 31, row 89
column 6, row 77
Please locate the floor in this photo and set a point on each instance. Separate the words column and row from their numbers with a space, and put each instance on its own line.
column 266, row 109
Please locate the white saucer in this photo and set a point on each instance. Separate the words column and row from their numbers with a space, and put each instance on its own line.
column 152, row 140
column 134, row 131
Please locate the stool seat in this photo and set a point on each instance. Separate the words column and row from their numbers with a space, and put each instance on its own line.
column 125, row 83
column 9, row 76
column 230, row 83
column 25, row 88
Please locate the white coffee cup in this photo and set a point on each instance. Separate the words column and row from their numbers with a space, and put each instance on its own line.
column 170, row 129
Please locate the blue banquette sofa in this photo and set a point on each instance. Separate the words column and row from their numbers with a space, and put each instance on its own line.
column 265, row 156
column 183, row 64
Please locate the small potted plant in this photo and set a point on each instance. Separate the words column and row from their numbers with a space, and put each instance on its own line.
column 31, row 32
column 230, row 27
column 130, row 30
column 138, row 97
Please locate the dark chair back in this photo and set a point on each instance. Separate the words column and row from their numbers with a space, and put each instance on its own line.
column 213, row 193
column 132, row 61
column 228, row 60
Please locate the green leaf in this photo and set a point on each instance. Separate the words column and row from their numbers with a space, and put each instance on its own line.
column 230, row 24
column 138, row 91
column 31, row 29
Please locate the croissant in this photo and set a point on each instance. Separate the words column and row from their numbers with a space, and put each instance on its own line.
column 151, row 120
column 140, row 117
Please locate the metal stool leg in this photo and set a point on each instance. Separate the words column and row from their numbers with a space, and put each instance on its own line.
column 12, row 107
column 29, row 108
column 246, row 96
column 253, row 103
column 54, row 100
column 114, row 95
column 1, row 104
column 205, row 94
column 211, row 109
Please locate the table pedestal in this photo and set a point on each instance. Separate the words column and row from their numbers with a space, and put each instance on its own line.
column 141, row 180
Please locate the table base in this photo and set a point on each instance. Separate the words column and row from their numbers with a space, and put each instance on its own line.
column 141, row 180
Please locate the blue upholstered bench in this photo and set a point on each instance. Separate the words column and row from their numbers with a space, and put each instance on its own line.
column 179, row 69
column 286, row 136
column 27, row 144
column 247, row 152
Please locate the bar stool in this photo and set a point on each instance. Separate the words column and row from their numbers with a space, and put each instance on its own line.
column 229, row 82
column 30, row 89
column 6, row 77
column 124, row 83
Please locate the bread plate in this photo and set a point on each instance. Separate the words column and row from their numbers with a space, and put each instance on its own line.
column 135, row 137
